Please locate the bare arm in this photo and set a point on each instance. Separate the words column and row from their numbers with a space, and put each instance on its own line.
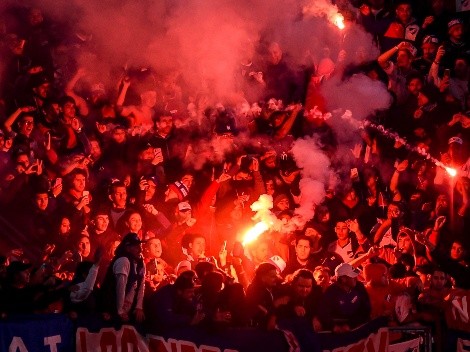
column 79, row 101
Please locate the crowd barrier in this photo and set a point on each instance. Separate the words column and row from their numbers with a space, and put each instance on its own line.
column 57, row 333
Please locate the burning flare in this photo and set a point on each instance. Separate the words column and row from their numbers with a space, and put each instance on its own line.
column 253, row 233
column 452, row 172
column 338, row 21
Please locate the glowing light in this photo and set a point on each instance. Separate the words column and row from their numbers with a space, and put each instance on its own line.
column 452, row 172
column 256, row 231
column 338, row 21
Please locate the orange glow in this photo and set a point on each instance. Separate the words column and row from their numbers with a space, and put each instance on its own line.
column 338, row 21
column 256, row 231
column 452, row 172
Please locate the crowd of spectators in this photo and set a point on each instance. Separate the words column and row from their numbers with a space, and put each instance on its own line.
column 129, row 203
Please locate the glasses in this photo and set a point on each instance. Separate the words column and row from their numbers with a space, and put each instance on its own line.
column 28, row 123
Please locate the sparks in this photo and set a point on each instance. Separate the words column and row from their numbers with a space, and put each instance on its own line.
column 256, row 231
column 452, row 172
column 338, row 21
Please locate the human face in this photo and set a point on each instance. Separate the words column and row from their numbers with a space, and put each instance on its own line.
column 183, row 215
column 261, row 252
column 95, row 150
column 322, row 278
column 415, row 86
column 404, row 243
column 303, row 287
column 283, row 204
column 348, row 281
column 429, row 51
column 119, row 197
column 119, row 135
column 134, row 223
column 403, row 12
column 43, row 90
column 160, row 274
column 404, row 59
column 275, row 53
column 35, row 17
column 270, row 187
column 442, row 203
column 41, row 200
column 26, row 125
column 84, row 246
column 149, row 99
column 64, row 226
column 22, row 163
column 78, row 183
column 198, row 247
column 150, row 191
column 438, row 280
column 457, row 251
column 342, row 231
column 187, row 180
column 154, row 248
column 456, row 32
column 165, row 125
column 102, row 222
column 69, row 110
column 302, row 249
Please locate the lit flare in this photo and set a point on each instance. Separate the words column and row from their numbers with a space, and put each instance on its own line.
column 338, row 21
column 452, row 172
column 256, row 231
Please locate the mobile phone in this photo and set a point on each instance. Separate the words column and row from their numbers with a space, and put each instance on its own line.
column 86, row 193
column 446, row 72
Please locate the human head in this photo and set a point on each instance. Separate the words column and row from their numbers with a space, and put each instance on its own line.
column 405, row 242
column 281, row 202
column 183, row 212
column 131, row 245
column 457, row 251
column 164, row 124
column 64, row 226
column 394, row 211
column 197, row 246
column 303, row 246
column 260, row 251
column 153, row 248
column 185, row 285
column 414, row 83
column 404, row 11
column 376, row 274
column 149, row 98
column 266, row 274
column 101, row 220
column 346, row 275
column 176, row 190
column 455, row 30
column 68, row 107
column 429, row 47
column 342, row 230
column 83, row 246
column 78, row 180
column 438, row 279
column 119, row 134
column 134, row 222
column 275, row 53
column 404, row 59
column 41, row 200
column 118, row 194
column 322, row 276
column 302, row 283
column 26, row 124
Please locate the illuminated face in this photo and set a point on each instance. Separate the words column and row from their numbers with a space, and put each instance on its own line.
column 438, row 280
column 64, row 226
column 78, row 183
column 26, row 125
column 134, row 223
column 69, row 109
column 456, row 32
column 429, row 51
column 43, row 90
column 22, row 163
column 342, row 231
column 160, row 274
column 403, row 59
column 404, row 244
column 187, row 180
column 102, row 222
column 35, row 17
column 119, row 135
column 154, row 248
column 403, row 12
column 198, row 247
column 165, row 125
column 303, row 287
column 322, row 277
column 283, row 204
column 150, row 191
column 414, row 86
column 457, row 251
column 302, row 249
column 393, row 211
column 119, row 197
column 84, row 246
column 149, row 98
column 270, row 187
column 41, row 200
column 442, row 203
column 275, row 53
column 95, row 150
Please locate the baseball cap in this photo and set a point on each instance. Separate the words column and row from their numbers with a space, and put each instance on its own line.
column 345, row 269
column 184, row 206
column 454, row 22
column 457, row 140
column 431, row 39
column 183, row 265
column 278, row 262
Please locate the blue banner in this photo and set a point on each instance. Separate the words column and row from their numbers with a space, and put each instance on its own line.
column 37, row 333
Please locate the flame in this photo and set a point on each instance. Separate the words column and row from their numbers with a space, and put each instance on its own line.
column 256, row 231
column 338, row 21
column 452, row 172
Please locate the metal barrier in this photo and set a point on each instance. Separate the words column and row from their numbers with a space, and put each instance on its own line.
column 424, row 333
